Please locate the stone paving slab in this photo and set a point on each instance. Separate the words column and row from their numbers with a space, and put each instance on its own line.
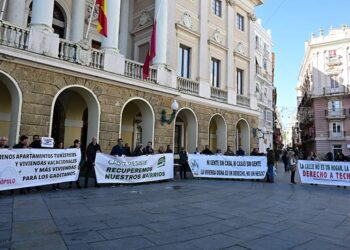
column 180, row 214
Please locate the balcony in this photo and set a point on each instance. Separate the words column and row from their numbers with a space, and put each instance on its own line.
column 335, row 113
column 330, row 135
column 134, row 70
column 187, row 86
column 263, row 73
column 243, row 100
column 334, row 61
column 218, row 94
column 340, row 90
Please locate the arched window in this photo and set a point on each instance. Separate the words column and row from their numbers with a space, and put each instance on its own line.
column 58, row 22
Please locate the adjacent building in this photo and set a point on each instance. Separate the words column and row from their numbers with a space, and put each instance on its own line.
column 323, row 93
column 59, row 79
column 264, row 67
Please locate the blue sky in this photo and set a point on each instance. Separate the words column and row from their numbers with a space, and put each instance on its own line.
column 292, row 22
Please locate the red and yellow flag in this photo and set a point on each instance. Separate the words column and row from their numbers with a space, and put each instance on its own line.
column 102, row 17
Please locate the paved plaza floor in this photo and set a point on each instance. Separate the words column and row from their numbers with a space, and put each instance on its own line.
column 188, row 214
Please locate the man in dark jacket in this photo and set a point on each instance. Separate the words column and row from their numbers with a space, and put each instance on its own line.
column 184, row 163
column 3, row 142
column 36, row 142
column 270, row 165
column 168, row 149
column 23, row 142
column 91, row 151
column 207, row 151
column 76, row 144
column 148, row 150
column 240, row 152
column 119, row 149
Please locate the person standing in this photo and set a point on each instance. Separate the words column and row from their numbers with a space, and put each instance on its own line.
column 138, row 150
column 240, row 151
column 3, row 143
column 91, row 151
column 56, row 187
column 229, row 151
column 285, row 160
column 168, row 150
column 36, row 143
column 270, row 165
column 119, row 149
column 293, row 167
column 22, row 144
column 255, row 152
column 161, row 150
column 127, row 150
column 197, row 152
column 76, row 144
column 148, row 150
column 183, row 163
column 207, row 151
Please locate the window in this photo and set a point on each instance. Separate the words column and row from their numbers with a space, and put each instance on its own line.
column 240, row 22
column 336, row 127
column 143, row 50
column 335, row 105
column 257, row 42
column 216, row 7
column 334, row 82
column 265, row 63
column 240, row 82
column 215, row 73
column 184, row 61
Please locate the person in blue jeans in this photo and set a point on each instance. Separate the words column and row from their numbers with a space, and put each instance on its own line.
column 270, row 165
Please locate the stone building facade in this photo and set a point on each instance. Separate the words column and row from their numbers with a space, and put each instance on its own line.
column 324, row 93
column 56, row 84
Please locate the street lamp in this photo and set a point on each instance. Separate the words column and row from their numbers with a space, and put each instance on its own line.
column 174, row 107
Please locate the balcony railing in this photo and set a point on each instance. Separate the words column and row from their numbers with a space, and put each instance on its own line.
column 263, row 73
column 76, row 53
column 330, row 135
column 340, row 90
column 187, row 86
column 335, row 113
column 134, row 70
column 243, row 100
column 333, row 61
column 218, row 94
column 13, row 36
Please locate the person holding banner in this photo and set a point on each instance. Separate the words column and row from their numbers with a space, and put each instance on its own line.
column 36, row 143
column 23, row 143
column 138, row 150
column 229, row 151
column 293, row 162
column 91, row 151
column 148, row 150
column 183, row 163
column 119, row 149
column 207, row 151
column 76, row 144
column 240, row 151
column 3, row 143
column 168, row 150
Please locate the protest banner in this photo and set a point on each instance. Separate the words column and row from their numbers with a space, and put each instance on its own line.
column 21, row 168
column 324, row 172
column 146, row 168
column 228, row 167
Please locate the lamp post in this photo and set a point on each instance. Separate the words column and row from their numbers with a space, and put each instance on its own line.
column 174, row 107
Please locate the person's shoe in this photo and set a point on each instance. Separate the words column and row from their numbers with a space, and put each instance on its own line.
column 294, row 182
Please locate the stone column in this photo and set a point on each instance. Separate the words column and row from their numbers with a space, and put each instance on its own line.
column 113, row 61
column 204, row 68
column 124, row 38
column 111, row 42
column 78, row 20
column 42, row 40
column 42, row 14
column 231, row 71
column 252, row 73
column 16, row 10
column 161, row 16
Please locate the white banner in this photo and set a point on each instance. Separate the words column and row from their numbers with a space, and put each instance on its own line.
column 146, row 168
column 21, row 168
column 228, row 167
column 324, row 172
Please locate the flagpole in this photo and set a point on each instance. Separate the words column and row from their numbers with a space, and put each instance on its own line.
column 90, row 20
column 3, row 10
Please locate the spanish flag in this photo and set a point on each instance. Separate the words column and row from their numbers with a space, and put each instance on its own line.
column 151, row 53
column 102, row 17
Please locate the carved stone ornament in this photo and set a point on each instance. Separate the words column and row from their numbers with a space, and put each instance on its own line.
column 187, row 20
column 144, row 18
column 217, row 37
column 84, row 53
column 252, row 16
column 231, row 2
column 94, row 15
column 241, row 49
